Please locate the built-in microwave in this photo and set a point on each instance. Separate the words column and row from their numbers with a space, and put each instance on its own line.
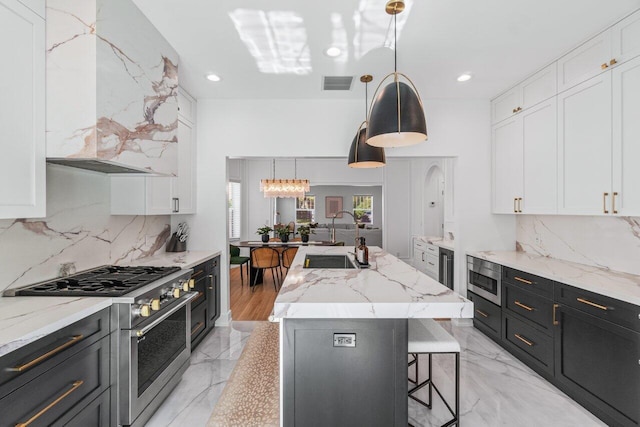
column 484, row 278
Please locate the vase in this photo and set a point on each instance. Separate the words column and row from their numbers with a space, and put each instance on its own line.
column 265, row 238
column 305, row 238
column 284, row 238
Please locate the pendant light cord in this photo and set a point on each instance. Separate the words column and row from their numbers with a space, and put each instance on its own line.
column 274, row 168
column 366, row 99
column 395, row 42
column 295, row 168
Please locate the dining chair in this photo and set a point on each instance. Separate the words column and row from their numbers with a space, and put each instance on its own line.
column 263, row 259
column 287, row 257
column 236, row 259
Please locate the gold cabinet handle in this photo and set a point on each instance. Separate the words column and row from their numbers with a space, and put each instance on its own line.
column 482, row 313
column 520, row 204
column 514, row 110
column 524, row 340
column 613, row 202
column 73, row 340
column 197, row 273
column 521, row 305
column 604, row 202
column 613, row 62
column 518, row 109
column 197, row 328
column 604, row 66
column 515, row 204
column 555, row 320
column 592, row 304
column 73, row 388
column 520, row 279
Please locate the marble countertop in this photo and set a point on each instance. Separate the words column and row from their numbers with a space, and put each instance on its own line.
column 26, row 319
column 187, row 259
column 390, row 288
column 614, row 284
column 438, row 241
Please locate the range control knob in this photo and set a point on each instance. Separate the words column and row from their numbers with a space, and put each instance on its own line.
column 176, row 292
column 144, row 310
column 155, row 304
column 192, row 283
column 185, row 286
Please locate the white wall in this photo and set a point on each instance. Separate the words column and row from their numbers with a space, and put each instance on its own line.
column 323, row 128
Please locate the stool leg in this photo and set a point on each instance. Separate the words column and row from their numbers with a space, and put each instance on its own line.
column 255, row 280
column 430, row 381
column 457, row 389
column 241, row 276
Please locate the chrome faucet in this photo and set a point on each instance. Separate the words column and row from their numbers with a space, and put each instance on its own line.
column 333, row 227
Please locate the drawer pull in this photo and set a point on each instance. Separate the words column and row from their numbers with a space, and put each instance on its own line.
column 200, row 294
column 555, row 320
column 592, row 304
column 59, row 399
column 73, row 340
column 520, row 279
column 197, row 328
column 482, row 313
column 197, row 273
column 430, row 263
column 521, row 305
column 524, row 340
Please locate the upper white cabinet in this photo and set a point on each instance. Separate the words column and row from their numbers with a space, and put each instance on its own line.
column 626, row 38
column 186, row 181
column 587, row 61
column 186, row 106
column 22, row 112
column 584, row 155
column 507, row 165
column 540, row 148
column 535, row 89
column 524, row 165
column 625, row 194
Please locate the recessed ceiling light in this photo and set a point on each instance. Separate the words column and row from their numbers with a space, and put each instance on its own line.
column 464, row 77
column 213, row 77
column 333, row 51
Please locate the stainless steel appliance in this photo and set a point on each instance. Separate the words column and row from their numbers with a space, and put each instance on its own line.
column 484, row 278
column 150, row 323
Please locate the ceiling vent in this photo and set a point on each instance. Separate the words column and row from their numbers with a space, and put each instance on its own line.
column 337, row 82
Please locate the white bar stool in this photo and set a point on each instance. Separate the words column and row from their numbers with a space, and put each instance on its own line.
column 426, row 336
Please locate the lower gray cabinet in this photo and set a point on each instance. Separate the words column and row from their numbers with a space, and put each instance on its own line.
column 487, row 316
column 205, row 308
column 344, row 372
column 213, row 293
column 598, row 364
column 95, row 414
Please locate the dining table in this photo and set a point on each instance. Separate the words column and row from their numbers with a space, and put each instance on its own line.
column 252, row 244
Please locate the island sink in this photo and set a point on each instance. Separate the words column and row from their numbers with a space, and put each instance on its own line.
column 328, row 261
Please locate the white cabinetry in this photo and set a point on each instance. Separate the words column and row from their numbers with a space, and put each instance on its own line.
column 524, row 161
column 419, row 255
column 535, row 89
column 585, row 62
column 507, row 165
column 160, row 195
column 584, row 147
column 626, row 38
column 626, row 139
column 22, row 112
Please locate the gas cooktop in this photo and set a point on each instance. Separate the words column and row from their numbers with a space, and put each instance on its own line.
column 105, row 281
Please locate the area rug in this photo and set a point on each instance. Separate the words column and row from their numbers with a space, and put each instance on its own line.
column 251, row 397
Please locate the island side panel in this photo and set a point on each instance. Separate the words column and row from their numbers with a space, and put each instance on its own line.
column 323, row 384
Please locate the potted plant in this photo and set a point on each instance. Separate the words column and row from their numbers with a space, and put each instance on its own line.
column 304, row 231
column 282, row 231
column 264, row 232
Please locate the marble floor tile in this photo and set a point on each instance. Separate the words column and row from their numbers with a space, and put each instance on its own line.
column 496, row 389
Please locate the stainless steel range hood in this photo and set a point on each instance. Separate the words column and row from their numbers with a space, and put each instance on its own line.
column 102, row 166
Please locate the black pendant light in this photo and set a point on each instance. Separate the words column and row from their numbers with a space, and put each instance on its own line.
column 396, row 118
column 361, row 154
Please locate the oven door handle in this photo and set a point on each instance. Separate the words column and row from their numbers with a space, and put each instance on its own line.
column 143, row 331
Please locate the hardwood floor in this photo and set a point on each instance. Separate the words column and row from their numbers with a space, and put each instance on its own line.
column 247, row 305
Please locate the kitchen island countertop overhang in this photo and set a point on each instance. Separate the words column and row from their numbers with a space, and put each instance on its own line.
column 388, row 289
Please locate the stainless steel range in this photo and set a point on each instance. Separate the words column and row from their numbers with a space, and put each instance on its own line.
column 151, row 341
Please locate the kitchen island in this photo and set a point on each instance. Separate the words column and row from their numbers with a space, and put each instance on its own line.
column 343, row 337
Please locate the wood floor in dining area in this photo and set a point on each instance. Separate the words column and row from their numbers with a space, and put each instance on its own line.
column 247, row 305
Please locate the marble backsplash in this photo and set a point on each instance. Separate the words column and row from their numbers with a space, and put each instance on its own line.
column 78, row 228
column 607, row 242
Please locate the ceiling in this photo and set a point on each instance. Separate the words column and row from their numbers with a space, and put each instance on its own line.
column 276, row 49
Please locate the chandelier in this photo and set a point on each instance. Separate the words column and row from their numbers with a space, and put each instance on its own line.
column 284, row 187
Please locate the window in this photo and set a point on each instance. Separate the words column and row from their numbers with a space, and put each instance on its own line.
column 234, row 209
column 305, row 209
column 363, row 208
